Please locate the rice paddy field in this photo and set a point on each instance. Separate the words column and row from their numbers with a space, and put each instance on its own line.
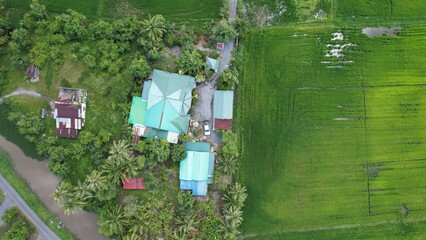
column 333, row 132
column 183, row 11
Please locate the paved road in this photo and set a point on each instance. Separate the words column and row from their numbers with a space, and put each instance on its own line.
column 204, row 108
column 13, row 198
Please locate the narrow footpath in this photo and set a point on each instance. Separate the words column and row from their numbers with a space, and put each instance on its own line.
column 13, row 198
column 82, row 224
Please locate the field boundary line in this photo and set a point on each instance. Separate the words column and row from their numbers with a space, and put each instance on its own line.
column 339, row 227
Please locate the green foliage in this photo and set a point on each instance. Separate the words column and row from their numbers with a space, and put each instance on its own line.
column 154, row 27
column 21, row 37
column 228, row 79
column 112, row 222
column 157, row 150
column 29, row 124
column 37, row 13
column 18, row 231
column 224, row 30
column 74, row 25
column 191, row 62
column 101, row 29
column 5, row 28
column 139, row 69
column 177, row 152
column 230, row 144
column 228, row 163
column 185, row 202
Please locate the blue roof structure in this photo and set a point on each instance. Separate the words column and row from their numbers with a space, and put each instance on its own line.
column 196, row 170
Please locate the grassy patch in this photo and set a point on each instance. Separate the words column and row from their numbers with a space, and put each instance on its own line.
column 1, row 196
column 7, row 170
column 185, row 11
column 337, row 140
column 381, row 9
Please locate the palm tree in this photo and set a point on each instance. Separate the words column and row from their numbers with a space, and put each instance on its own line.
column 234, row 215
column 154, row 27
column 186, row 225
column 132, row 236
column 228, row 163
column 120, row 150
column 112, row 170
column 95, row 181
column 62, row 192
column 228, row 230
column 236, row 196
column 177, row 235
column 73, row 205
column 112, row 222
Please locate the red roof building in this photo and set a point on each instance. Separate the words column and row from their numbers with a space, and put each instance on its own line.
column 133, row 184
column 70, row 112
column 223, row 124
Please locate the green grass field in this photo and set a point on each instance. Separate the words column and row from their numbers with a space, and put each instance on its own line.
column 332, row 141
column 192, row 11
column 381, row 8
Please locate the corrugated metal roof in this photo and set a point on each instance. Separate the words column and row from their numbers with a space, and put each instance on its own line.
column 145, row 90
column 196, row 170
column 223, row 104
column 169, row 100
column 195, row 166
column 137, row 111
column 198, row 188
column 212, row 63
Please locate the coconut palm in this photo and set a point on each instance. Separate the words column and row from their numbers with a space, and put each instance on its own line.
column 234, row 215
column 186, row 225
column 112, row 170
column 236, row 196
column 228, row 163
column 95, row 181
column 113, row 222
column 120, row 150
column 228, row 230
column 154, row 27
column 73, row 205
column 62, row 192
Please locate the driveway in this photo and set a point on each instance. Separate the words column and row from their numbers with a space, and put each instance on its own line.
column 204, row 107
column 12, row 198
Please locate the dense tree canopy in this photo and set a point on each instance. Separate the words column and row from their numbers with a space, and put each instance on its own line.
column 224, row 30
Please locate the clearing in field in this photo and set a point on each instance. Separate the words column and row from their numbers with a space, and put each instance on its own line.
column 333, row 131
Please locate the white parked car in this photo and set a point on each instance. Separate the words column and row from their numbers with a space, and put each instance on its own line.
column 206, row 128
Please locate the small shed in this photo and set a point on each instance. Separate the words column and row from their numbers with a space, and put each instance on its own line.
column 212, row 64
column 133, row 184
column 223, row 109
column 33, row 72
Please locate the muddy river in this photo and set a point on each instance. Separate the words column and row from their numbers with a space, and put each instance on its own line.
column 82, row 224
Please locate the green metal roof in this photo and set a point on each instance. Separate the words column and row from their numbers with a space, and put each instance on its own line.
column 169, row 100
column 212, row 63
column 223, row 104
column 197, row 146
column 195, row 166
column 137, row 111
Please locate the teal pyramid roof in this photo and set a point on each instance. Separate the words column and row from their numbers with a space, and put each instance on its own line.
column 169, row 100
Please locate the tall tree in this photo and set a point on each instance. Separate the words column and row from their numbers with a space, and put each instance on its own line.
column 120, row 150
column 236, row 196
column 228, row 163
column 112, row 221
column 154, row 27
